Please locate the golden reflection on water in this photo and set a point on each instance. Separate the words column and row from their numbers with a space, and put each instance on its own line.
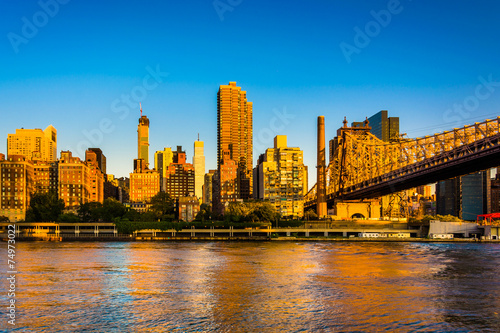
column 257, row 287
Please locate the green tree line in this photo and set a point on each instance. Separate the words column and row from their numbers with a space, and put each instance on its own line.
column 47, row 207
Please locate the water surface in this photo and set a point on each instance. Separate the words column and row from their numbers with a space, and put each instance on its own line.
column 255, row 287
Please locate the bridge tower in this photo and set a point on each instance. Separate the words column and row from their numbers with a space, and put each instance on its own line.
column 321, row 209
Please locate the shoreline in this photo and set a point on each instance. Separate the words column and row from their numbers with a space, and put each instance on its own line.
column 251, row 239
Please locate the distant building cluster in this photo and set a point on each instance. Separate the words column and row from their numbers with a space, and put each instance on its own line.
column 31, row 166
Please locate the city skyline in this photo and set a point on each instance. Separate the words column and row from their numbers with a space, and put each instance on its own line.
column 423, row 62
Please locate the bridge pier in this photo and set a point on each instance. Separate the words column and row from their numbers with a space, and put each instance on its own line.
column 366, row 208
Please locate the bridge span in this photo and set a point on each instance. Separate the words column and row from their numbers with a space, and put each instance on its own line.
column 365, row 167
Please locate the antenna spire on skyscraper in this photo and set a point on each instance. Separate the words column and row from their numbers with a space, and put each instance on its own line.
column 140, row 105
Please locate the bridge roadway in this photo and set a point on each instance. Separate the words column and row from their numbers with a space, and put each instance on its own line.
column 474, row 157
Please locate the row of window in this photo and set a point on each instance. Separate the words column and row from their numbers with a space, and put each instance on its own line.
column 10, row 175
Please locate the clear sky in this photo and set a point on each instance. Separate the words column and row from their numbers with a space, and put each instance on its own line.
column 83, row 66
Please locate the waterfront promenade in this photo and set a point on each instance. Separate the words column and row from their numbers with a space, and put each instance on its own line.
column 312, row 230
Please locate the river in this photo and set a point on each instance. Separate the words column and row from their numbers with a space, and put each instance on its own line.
column 254, row 287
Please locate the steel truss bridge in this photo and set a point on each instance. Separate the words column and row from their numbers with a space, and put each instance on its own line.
column 365, row 167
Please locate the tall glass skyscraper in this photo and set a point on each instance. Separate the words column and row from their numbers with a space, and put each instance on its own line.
column 465, row 197
column 383, row 127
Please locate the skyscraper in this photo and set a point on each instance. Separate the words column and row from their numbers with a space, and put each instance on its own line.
column 465, row 197
column 180, row 176
column 143, row 139
column 234, row 142
column 144, row 183
column 383, row 127
column 96, row 175
column 199, row 169
column 163, row 158
column 34, row 144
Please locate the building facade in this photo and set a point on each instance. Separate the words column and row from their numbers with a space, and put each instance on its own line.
column 199, row 168
column 464, row 197
column 187, row 208
column 208, row 187
column 224, row 184
column 144, row 185
column 495, row 193
column 180, row 176
column 100, row 159
column 163, row 158
column 46, row 177
column 117, row 188
column 280, row 178
column 74, row 186
column 17, row 180
column 34, row 144
column 96, row 176
column 234, row 143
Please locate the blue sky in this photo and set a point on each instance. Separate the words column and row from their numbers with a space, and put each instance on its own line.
column 424, row 61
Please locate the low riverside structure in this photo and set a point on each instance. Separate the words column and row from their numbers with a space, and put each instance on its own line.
column 106, row 230
column 267, row 232
column 52, row 230
column 444, row 230
column 311, row 230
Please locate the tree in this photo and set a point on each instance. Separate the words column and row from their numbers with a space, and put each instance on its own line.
column 251, row 211
column 311, row 215
column 445, row 218
column 131, row 215
column 4, row 218
column 266, row 212
column 68, row 217
column 235, row 212
column 111, row 209
column 90, row 211
column 44, row 207
column 161, row 205
column 148, row 217
column 205, row 213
